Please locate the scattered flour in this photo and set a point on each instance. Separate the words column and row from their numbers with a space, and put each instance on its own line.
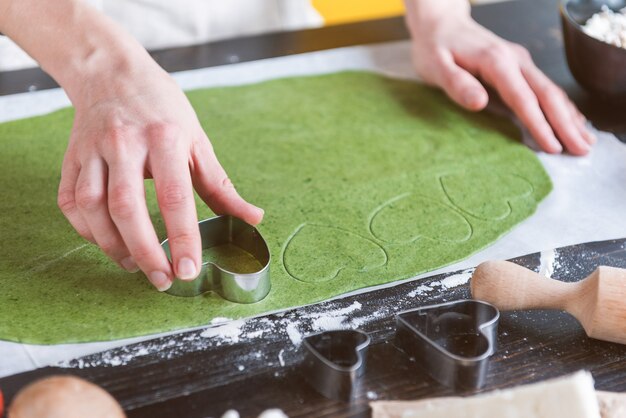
column 219, row 320
column 229, row 332
column 119, row 357
column 255, row 334
column 357, row 321
column 419, row 290
column 344, row 311
column 454, row 280
column 548, row 263
column 327, row 323
column 323, row 320
column 294, row 334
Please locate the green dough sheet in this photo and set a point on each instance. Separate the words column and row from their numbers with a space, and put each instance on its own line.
column 364, row 180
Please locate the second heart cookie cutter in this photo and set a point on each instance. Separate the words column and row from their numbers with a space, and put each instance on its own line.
column 232, row 286
column 451, row 341
column 334, row 362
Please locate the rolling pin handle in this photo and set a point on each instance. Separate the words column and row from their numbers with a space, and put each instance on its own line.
column 509, row 286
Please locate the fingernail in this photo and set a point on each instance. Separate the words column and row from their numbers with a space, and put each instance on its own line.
column 585, row 147
column 129, row 265
column 557, row 148
column 592, row 138
column 471, row 98
column 160, row 281
column 186, row 269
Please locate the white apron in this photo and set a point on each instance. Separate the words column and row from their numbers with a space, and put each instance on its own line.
column 166, row 23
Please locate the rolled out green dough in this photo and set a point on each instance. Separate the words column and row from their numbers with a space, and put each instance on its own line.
column 364, row 180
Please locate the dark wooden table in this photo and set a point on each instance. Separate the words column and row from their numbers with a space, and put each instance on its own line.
column 178, row 378
column 186, row 376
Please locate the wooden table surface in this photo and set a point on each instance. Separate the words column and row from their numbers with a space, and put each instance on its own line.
column 182, row 376
column 206, row 382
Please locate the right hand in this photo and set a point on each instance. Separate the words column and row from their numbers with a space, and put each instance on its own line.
column 453, row 52
column 139, row 126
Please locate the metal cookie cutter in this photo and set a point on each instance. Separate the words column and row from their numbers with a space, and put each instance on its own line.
column 334, row 362
column 452, row 341
column 235, row 287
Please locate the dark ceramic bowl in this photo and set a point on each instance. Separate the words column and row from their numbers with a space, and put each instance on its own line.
column 597, row 66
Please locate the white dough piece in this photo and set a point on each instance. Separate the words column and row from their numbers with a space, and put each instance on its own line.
column 273, row 413
column 571, row 396
column 269, row 413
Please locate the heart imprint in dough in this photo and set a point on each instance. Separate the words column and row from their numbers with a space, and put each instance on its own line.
column 318, row 253
column 483, row 194
column 409, row 217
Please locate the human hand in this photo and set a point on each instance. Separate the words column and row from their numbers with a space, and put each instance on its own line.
column 132, row 122
column 135, row 127
column 453, row 52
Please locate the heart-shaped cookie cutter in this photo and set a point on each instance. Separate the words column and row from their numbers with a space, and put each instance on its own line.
column 334, row 362
column 451, row 341
column 235, row 287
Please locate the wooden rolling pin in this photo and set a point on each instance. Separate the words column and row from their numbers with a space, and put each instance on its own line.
column 598, row 301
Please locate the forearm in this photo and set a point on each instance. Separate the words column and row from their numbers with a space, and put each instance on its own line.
column 83, row 50
column 423, row 14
